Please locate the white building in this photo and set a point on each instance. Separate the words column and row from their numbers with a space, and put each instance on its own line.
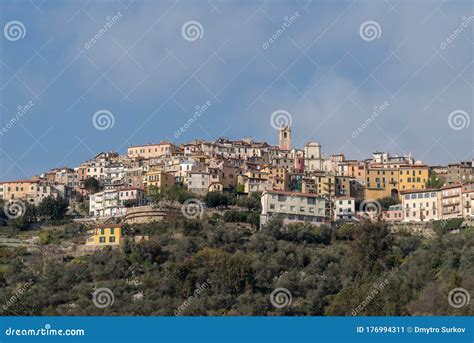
column 421, row 205
column 198, row 182
column 293, row 207
column 105, row 204
column 136, row 196
column 344, row 208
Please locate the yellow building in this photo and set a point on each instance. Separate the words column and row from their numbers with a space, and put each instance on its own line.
column 158, row 179
column 389, row 180
column 413, row 177
column 279, row 177
column 105, row 235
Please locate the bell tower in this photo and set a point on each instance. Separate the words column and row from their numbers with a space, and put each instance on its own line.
column 285, row 137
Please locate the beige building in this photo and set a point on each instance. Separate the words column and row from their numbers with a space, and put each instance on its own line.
column 468, row 200
column 451, row 202
column 293, row 207
column 159, row 180
column 199, row 182
column 152, row 150
column 421, row 205
column 32, row 191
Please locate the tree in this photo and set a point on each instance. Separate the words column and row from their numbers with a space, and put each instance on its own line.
column 435, row 181
column 216, row 199
column 386, row 202
column 53, row 208
column 92, row 185
column 27, row 219
column 130, row 203
column 252, row 202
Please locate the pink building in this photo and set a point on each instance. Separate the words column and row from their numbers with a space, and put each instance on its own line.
column 393, row 214
column 136, row 196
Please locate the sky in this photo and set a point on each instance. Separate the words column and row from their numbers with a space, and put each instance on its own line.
column 81, row 77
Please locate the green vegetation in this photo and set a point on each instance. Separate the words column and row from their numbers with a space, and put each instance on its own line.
column 435, row 181
column 328, row 271
column 92, row 185
column 386, row 202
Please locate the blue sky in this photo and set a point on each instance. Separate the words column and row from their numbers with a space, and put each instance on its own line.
column 320, row 69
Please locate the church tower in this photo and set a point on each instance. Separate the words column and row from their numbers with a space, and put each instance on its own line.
column 285, row 138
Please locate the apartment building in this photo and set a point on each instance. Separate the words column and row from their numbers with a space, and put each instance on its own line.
column 152, row 150
column 451, row 201
column 159, row 180
column 344, row 208
column 199, row 182
column 32, row 191
column 293, row 207
column 279, row 177
column 421, row 205
column 394, row 214
column 468, row 200
column 132, row 196
column 105, row 204
column 460, row 173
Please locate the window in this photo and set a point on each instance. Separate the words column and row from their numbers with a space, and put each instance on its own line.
column 111, row 239
column 272, row 206
column 112, row 230
column 102, row 231
column 101, row 239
